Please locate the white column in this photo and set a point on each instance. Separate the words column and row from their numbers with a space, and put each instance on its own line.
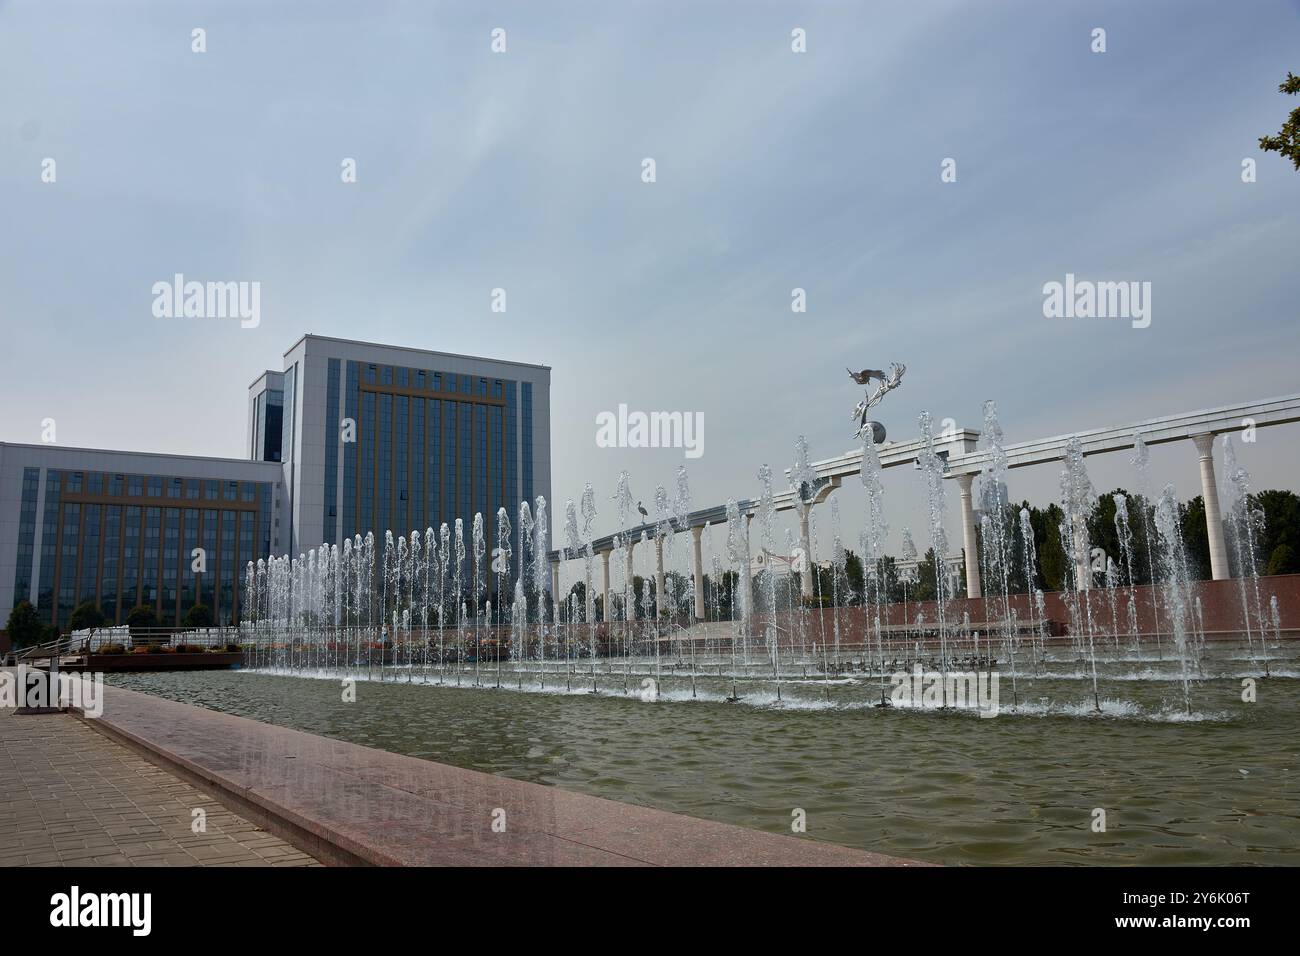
column 972, row 558
column 659, row 576
column 805, row 542
column 630, row 588
column 555, row 585
column 747, row 583
column 608, row 607
column 697, row 566
column 1213, row 518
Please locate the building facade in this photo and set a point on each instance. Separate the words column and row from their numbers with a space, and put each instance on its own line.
column 266, row 416
column 121, row 529
column 378, row 438
column 349, row 438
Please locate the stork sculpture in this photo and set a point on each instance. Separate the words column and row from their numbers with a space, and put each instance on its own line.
column 888, row 382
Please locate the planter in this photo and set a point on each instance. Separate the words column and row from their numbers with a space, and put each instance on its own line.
column 223, row 660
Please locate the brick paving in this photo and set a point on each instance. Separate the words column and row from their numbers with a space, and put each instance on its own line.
column 71, row 797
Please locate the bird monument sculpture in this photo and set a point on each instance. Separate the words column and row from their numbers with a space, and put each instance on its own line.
column 888, row 382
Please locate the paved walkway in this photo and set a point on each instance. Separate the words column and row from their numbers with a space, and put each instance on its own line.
column 351, row 804
column 69, row 796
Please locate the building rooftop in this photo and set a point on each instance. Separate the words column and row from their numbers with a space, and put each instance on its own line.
column 407, row 348
column 142, row 454
column 262, row 375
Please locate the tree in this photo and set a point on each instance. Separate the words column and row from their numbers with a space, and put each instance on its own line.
column 85, row 616
column 677, row 583
column 200, row 615
column 24, row 625
column 853, row 573
column 141, row 618
column 1281, row 530
column 721, row 596
column 1196, row 538
column 843, row 588
column 925, row 589
column 1102, row 532
column 1053, row 565
column 1287, row 141
column 1282, row 561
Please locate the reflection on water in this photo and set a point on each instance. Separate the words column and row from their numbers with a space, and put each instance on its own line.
column 1220, row 787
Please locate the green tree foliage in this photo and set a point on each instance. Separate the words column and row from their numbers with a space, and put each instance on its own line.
column 24, row 625
column 1283, row 560
column 925, row 588
column 1053, row 565
column 1279, row 538
column 1277, row 542
column 1141, row 521
column 1102, row 532
column 1287, row 141
column 853, row 574
column 1196, row 538
column 843, row 589
column 140, row 618
column 200, row 615
column 891, row 580
column 677, row 584
column 721, row 596
column 85, row 616
column 577, row 597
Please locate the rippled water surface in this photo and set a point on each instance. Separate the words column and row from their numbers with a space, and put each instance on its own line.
column 1219, row 787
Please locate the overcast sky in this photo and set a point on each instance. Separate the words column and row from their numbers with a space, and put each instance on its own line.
column 775, row 170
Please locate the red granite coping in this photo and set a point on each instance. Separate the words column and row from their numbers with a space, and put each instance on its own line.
column 352, row 805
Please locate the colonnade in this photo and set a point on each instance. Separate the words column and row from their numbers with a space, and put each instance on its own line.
column 1204, row 442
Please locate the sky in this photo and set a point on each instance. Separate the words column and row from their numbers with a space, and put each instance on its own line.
column 775, row 170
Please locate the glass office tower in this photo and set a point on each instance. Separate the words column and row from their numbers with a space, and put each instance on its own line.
column 121, row 529
column 380, row 438
column 266, row 416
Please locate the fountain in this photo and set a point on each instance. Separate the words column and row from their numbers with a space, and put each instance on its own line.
column 417, row 607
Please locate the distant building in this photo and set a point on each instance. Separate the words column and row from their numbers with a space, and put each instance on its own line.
column 120, row 528
column 349, row 438
column 376, row 437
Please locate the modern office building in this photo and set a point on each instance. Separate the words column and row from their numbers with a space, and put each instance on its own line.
column 121, row 528
column 266, row 416
column 378, row 438
column 350, row 437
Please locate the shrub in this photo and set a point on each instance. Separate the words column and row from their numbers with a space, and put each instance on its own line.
column 85, row 616
column 200, row 615
column 141, row 618
column 111, row 649
column 24, row 625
